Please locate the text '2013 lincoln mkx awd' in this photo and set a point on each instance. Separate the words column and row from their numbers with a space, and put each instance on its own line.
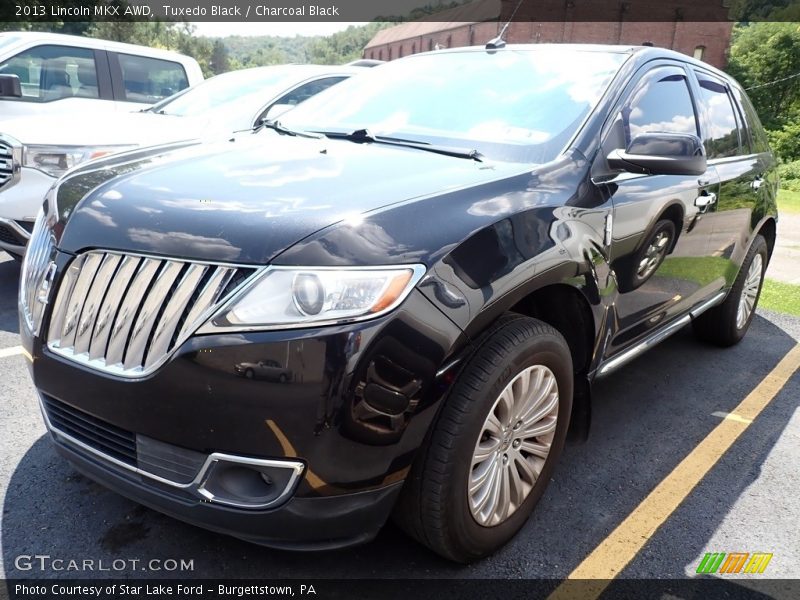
column 394, row 301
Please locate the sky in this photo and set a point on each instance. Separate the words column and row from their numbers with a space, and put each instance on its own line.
column 282, row 29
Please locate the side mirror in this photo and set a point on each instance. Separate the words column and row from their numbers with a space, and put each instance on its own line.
column 276, row 110
column 10, row 86
column 661, row 154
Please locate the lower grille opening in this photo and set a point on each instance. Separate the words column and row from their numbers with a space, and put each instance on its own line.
column 26, row 225
column 231, row 480
column 9, row 236
column 95, row 433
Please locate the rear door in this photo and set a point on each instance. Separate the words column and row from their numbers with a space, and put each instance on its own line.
column 652, row 292
column 740, row 163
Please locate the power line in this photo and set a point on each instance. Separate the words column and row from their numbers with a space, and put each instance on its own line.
column 760, row 85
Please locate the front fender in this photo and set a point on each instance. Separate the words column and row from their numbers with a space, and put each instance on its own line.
column 498, row 267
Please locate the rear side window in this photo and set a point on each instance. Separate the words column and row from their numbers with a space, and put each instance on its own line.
column 722, row 137
column 661, row 103
column 49, row 73
column 758, row 137
column 149, row 80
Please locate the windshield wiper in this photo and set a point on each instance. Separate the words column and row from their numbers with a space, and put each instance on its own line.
column 362, row 136
column 275, row 125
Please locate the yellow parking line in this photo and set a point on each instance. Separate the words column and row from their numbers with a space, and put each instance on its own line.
column 614, row 553
column 13, row 351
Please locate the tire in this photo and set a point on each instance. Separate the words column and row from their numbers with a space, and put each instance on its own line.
column 436, row 506
column 249, row 374
column 640, row 266
column 721, row 325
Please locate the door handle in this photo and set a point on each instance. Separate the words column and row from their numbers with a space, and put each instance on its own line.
column 705, row 200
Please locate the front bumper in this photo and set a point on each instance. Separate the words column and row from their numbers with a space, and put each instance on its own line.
column 356, row 405
column 300, row 524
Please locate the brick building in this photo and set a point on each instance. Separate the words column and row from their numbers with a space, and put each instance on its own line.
column 699, row 29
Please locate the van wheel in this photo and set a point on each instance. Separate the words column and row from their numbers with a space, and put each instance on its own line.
column 726, row 324
column 494, row 445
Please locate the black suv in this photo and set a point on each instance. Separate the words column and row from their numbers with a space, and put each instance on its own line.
column 435, row 259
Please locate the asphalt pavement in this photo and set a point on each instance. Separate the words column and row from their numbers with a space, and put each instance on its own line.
column 647, row 418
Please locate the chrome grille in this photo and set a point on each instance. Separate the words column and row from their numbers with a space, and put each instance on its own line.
column 6, row 163
column 125, row 314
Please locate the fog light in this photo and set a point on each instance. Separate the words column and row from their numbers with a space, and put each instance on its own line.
column 249, row 483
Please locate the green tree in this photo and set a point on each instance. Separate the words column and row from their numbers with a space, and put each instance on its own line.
column 765, row 53
column 220, row 61
column 763, row 10
column 786, row 141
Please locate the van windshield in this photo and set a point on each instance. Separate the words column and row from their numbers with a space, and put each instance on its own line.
column 517, row 104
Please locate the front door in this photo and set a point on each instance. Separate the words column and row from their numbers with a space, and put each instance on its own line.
column 660, row 233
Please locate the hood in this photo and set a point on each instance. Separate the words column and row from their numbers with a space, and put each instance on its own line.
column 104, row 129
column 247, row 199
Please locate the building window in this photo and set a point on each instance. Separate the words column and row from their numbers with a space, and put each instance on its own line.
column 413, row 48
column 699, row 52
column 400, row 52
column 390, row 53
column 380, row 54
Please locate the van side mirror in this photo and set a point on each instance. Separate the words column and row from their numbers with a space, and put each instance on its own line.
column 10, row 86
column 661, row 154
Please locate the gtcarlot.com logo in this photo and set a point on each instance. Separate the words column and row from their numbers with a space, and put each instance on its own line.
column 45, row 562
column 734, row 562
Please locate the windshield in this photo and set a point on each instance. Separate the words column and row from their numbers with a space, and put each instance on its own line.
column 514, row 105
column 246, row 90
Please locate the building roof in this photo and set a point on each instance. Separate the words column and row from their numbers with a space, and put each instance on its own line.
column 466, row 14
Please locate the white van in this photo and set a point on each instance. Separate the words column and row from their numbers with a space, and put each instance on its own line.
column 35, row 151
column 62, row 74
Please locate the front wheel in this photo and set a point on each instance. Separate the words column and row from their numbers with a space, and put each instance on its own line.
column 726, row 324
column 493, row 448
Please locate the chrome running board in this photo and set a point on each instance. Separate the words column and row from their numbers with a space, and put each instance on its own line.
column 656, row 337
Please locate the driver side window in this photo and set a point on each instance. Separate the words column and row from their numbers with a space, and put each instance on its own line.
column 661, row 103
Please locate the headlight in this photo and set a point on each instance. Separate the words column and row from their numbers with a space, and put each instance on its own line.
column 37, row 274
column 290, row 297
column 56, row 160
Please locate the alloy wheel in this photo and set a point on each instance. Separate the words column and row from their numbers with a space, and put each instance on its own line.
column 513, row 445
column 752, row 283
